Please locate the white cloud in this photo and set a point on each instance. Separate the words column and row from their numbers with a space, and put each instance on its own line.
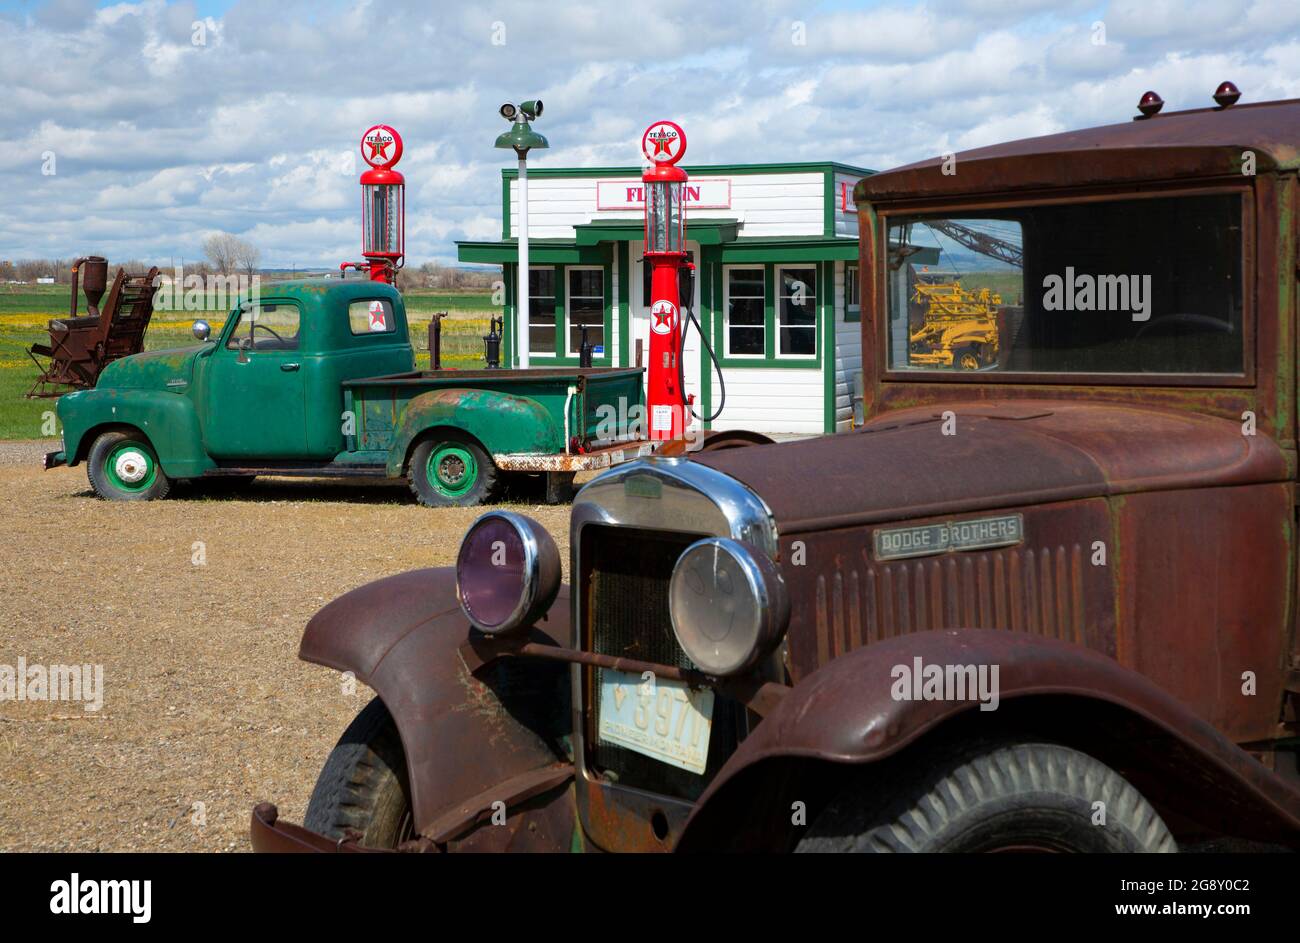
column 160, row 141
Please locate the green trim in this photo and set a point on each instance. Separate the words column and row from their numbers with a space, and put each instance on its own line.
column 703, row 231
column 540, row 252
column 624, row 308
column 706, row 274
column 827, row 304
column 789, row 249
column 851, row 317
column 831, row 167
column 505, row 209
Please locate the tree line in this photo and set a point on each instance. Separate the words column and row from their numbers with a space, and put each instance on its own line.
column 228, row 254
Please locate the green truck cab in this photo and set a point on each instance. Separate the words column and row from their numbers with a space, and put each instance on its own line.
column 317, row 378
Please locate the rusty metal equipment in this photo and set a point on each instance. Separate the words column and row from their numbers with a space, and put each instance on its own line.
column 81, row 347
column 435, row 340
column 960, row 327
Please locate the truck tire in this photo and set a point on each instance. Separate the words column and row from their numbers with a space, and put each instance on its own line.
column 122, row 466
column 968, row 358
column 363, row 785
column 452, row 470
column 1001, row 796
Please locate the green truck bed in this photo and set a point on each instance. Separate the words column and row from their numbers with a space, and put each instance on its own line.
column 520, row 416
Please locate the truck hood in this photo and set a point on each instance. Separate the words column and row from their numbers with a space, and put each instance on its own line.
column 902, row 466
column 153, row 370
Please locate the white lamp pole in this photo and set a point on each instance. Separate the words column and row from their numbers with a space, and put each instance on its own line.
column 523, row 280
column 521, row 138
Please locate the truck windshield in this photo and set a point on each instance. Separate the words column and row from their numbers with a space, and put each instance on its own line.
column 1123, row 286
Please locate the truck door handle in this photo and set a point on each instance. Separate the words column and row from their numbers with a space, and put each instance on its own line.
column 289, row 367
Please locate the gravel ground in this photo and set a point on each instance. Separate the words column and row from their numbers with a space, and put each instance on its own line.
column 205, row 701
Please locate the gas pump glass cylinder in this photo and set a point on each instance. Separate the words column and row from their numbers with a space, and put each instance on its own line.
column 382, row 208
column 664, row 222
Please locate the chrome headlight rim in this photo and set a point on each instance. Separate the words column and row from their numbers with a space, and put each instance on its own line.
column 766, row 588
column 538, row 579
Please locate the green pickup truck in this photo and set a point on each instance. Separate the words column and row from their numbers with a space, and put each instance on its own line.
column 317, row 378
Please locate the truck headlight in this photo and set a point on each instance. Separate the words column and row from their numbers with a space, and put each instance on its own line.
column 728, row 605
column 507, row 572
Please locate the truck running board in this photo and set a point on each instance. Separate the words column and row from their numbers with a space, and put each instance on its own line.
column 299, row 470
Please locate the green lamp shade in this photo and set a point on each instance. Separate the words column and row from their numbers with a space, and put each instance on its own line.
column 521, row 137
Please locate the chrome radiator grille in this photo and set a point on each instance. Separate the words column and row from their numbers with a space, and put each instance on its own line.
column 625, row 573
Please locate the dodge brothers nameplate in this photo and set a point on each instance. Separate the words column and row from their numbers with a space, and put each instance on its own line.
column 898, row 543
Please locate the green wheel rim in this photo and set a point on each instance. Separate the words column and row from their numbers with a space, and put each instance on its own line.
column 452, row 470
column 131, row 467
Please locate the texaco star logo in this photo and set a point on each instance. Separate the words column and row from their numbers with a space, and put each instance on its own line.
column 664, row 142
column 663, row 317
column 381, row 147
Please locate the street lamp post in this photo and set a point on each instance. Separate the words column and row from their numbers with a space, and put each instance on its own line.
column 521, row 138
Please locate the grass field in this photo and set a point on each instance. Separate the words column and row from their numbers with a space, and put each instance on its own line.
column 26, row 309
column 1010, row 285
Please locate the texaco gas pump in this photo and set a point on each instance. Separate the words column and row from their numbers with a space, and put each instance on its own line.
column 663, row 144
column 383, row 206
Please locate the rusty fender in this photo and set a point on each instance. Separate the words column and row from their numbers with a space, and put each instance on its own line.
column 844, row 714
column 464, row 735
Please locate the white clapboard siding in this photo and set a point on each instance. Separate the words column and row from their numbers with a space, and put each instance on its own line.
column 775, row 400
column 765, row 205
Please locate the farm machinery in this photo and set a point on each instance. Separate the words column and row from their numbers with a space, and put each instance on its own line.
column 81, row 347
column 959, row 329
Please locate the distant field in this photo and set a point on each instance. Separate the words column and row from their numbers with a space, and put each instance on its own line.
column 1010, row 285
column 26, row 309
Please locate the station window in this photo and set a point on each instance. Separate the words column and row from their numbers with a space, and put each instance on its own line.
column 796, row 310
column 744, row 305
column 541, row 311
column 852, row 307
column 585, row 302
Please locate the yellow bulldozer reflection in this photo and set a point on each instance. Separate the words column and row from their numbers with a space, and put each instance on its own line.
column 959, row 328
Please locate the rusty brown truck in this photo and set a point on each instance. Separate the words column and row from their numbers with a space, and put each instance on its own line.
column 1048, row 604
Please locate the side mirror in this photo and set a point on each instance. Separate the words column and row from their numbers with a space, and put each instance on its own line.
column 201, row 330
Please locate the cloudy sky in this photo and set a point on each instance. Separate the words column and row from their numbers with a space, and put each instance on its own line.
column 163, row 122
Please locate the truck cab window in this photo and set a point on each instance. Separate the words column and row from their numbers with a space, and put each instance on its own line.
column 266, row 327
column 371, row 316
column 1123, row 286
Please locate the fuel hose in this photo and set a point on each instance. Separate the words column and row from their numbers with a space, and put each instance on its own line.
column 681, row 368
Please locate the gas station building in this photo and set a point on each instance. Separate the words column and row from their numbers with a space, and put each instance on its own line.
column 775, row 248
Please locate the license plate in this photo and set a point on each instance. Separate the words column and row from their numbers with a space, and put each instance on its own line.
column 666, row 720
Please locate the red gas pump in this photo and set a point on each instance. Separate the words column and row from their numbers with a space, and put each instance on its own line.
column 663, row 144
column 383, row 206
column 672, row 285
